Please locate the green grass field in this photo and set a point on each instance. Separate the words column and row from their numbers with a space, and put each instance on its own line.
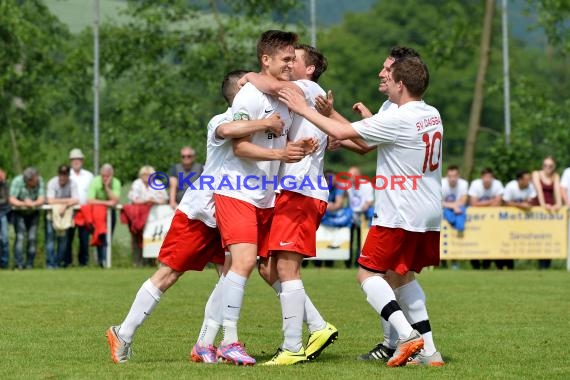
column 487, row 325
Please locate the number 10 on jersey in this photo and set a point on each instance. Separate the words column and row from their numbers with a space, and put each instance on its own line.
column 432, row 144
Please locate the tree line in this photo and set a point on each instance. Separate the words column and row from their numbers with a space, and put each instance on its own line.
column 162, row 65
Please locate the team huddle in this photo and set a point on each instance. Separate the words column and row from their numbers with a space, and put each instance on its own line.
column 279, row 123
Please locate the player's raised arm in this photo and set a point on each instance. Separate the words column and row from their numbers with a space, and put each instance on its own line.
column 325, row 106
column 338, row 129
column 362, row 110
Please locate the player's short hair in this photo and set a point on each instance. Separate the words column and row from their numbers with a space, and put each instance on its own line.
column 487, row 171
column 273, row 40
column 452, row 168
column 229, row 84
column 315, row 58
column 521, row 173
column 413, row 72
column 399, row 52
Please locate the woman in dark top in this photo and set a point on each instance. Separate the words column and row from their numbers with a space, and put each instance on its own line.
column 547, row 185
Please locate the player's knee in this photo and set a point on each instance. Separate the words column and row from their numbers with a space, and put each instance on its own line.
column 244, row 266
column 165, row 277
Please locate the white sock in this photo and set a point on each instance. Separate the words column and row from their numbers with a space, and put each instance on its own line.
column 292, row 307
column 390, row 334
column 145, row 301
column 381, row 297
column 412, row 299
column 212, row 316
column 233, row 289
column 277, row 287
column 311, row 317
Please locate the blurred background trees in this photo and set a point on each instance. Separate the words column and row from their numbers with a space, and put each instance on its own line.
column 162, row 63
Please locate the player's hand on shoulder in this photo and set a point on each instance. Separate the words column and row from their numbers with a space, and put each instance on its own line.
column 242, row 81
column 296, row 102
column 362, row 110
column 325, row 105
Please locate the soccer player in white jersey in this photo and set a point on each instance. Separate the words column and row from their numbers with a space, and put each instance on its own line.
column 405, row 233
column 193, row 239
column 409, row 293
column 298, row 211
column 244, row 214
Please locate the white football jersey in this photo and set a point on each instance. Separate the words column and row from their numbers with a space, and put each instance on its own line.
column 388, row 106
column 408, row 184
column 478, row 190
column 513, row 193
column 198, row 204
column 252, row 104
column 306, row 176
column 452, row 194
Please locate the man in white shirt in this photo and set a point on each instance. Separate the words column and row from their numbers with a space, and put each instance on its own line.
column 565, row 186
column 82, row 179
column 520, row 192
column 485, row 192
column 62, row 194
column 244, row 215
column 297, row 214
column 454, row 198
column 405, row 233
column 408, row 291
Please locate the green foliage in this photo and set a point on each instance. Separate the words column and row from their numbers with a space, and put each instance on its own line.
column 32, row 80
column 553, row 16
column 162, row 62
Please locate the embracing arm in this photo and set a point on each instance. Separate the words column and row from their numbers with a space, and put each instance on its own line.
column 269, row 85
column 340, row 130
column 293, row 151
column 241, row 128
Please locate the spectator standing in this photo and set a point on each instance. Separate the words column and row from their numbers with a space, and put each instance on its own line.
column 62, row 195
column 360, row 200
column 4, row 214
column 547, row 184
column 142, row 194
column 105, row 190
column 82, row 178
column 486, row 191
column 27, row 194
column 518, row 193
column 186, row 169
column 565, row 187
column 454, row 190
column 336, row 215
